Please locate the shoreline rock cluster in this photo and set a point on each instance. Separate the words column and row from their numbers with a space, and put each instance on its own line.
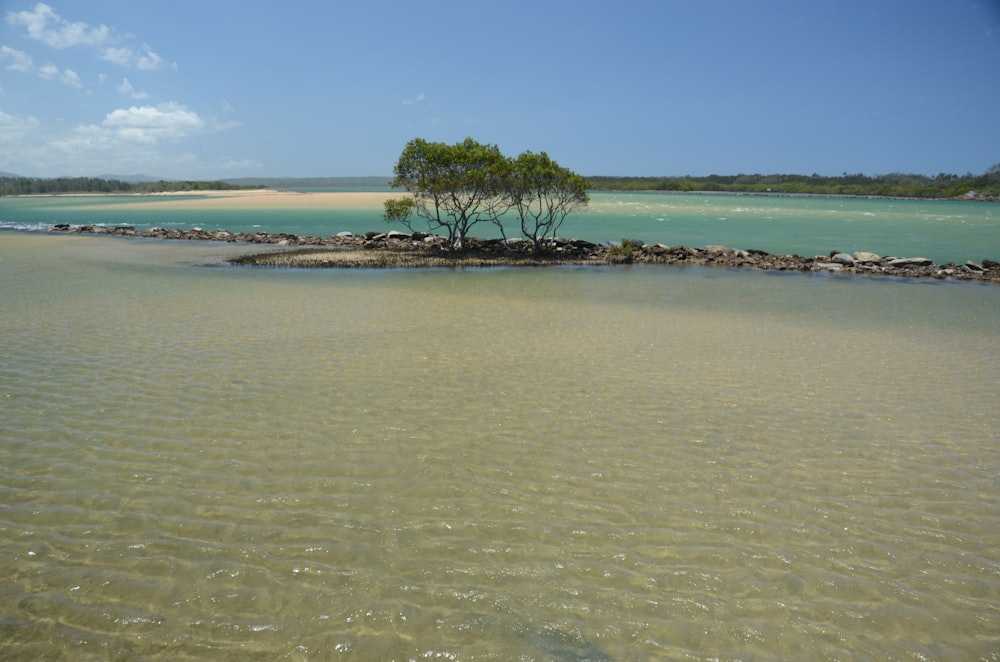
column 396, row 249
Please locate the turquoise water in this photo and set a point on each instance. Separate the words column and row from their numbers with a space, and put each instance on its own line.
column 945, row 231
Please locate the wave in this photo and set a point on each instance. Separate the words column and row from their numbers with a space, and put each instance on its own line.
column 25, row 227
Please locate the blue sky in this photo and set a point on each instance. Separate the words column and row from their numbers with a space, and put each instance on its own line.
column 227, row 88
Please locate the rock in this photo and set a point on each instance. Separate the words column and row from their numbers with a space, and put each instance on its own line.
column 396, row 234
column 867, row 257
column 345, row 235
column 843, row 258
column 910, row 262
column 829, row 266
column 990, row 264
column 974, row 266
column 716, row 251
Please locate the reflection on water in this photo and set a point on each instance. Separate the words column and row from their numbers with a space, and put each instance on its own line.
column 568, row 463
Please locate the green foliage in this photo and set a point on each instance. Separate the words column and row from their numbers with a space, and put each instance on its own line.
column 399, row 210
column 58, row 185
column 543, row 193
column 456, row 186
column 626, row 247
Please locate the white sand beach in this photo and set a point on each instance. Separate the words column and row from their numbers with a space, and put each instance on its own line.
column 261, row 199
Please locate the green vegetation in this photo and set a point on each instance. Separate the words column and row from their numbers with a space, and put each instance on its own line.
column 58, row 185
column 455, row 187
column 542, row 194
column 983, row 186
column 625, row 248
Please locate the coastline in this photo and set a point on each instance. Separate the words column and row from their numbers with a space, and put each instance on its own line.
column 396, row 249
column 256, row 199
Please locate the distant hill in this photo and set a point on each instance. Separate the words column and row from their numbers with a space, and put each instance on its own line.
column 313, row 182
column 8, row 174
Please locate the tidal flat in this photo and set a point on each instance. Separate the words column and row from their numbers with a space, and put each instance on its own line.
column 589, row 463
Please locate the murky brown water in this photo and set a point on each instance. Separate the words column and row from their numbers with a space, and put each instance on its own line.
column 536, row 464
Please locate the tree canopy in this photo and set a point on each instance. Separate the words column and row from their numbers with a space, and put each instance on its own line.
column 543, row 193
column 454, row 187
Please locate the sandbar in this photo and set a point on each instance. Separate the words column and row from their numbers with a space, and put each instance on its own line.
column 259, row 199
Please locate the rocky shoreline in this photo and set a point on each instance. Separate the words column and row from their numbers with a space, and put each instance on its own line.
column 404, row 250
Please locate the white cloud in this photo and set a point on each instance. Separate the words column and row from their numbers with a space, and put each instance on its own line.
column 148, row 60
column 149, row 124
column 141, row 138
column 416, row 99
column 127, row 89
column 144, row 59
column 18, row 60
column 15, row 128
column 67, row 76
column 120, row 56
column 45, row 25
column 71, row 78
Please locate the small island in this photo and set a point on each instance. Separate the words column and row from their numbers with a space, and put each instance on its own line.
column 395, row 249
column 442, row 191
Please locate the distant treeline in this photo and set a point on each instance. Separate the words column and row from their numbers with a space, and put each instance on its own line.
column 39, row 186
column 943, row 185
column 984, row 186
column 382, row 182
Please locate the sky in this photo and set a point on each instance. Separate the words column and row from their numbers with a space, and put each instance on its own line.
column 219, row 89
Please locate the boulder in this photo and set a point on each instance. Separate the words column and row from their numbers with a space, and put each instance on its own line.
column 911, row 262
column 843, row 258
column 867, row 257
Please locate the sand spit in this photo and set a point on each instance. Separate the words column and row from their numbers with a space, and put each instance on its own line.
column 257, row 199
column 401, row 250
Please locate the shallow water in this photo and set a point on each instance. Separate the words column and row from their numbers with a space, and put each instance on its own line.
column 204, row 462
column 944, row 231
